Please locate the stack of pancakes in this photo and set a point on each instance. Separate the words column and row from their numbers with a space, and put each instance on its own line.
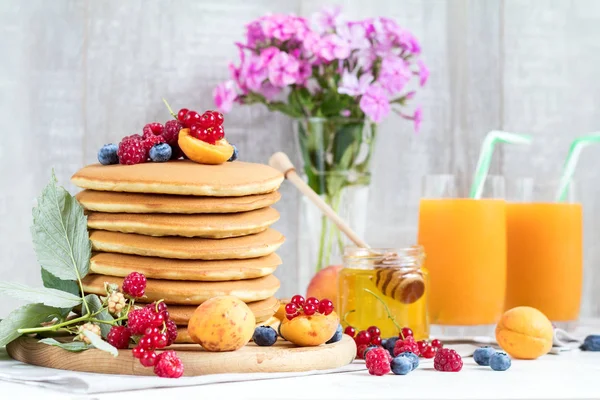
column 195, row 231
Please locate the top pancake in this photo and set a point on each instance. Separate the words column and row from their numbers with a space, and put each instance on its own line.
column 139, row 203
column 181, row 177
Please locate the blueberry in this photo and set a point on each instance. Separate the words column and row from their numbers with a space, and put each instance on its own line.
column 500, row 361
column 160, row 152
column 264, row 336
column 235, row 154
column 414, row 359
column 108, row 154
column 591, row 343
column 401, row 365
column 337, row 336
column 482, row 355
column 389, row 344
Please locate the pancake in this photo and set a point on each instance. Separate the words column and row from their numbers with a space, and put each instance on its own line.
column 115, row 264
column 262, row 310
column 191, row 293
column 135, row 203
column 181, row 177
column 251, row 246
column 184, row 337
column 214, row 226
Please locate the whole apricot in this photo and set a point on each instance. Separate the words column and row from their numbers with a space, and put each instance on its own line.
column 324, row 284
column 524, row 332
column 309, row 330
column 222, row 323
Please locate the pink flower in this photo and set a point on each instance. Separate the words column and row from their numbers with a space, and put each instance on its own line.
column 355, row 35
column 394, row 74
column 327, row 19
column 254, row 34
column 418, row 118
column 304, row 72
column 253, row 72
column 423, row 72
column 332, row 47
column 269, row 91
column 354, row 86
column 311, row 42
column 365, row 59
column 266, row 55
column 224, row 95
column 283, row 69
column 345, row 113
column 279, row 27
column 409, row 42
column 375, row 103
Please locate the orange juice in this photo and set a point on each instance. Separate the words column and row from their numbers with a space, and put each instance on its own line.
column 544, row 263
column 465, row 253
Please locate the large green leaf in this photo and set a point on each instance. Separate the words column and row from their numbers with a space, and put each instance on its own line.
column 52, row 282
column 28, row 316
column 46, row 296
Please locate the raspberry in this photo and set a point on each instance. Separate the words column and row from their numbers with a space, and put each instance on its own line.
column 151, row 129
column 116, row 302
column 131, row 151
column 150, row 141
column 88, row 326
column 159, row 308
column 171, row 132
column 168, row 365
column 138, row 320
column 447, row 360
column 171, row 332
column 119, row 337
column 134, row 284
column 378, row 361
column 407, row 344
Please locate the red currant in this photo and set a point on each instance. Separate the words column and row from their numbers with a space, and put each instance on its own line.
column 429, row 351
column 298, row 300
column 206, row 136
column 350, row 331
column 374, row 331
column 148, row 359
column 326, row 306
column 138, row 351
column 312, row 300
column 181, row 114
column 208, row 120
column 218, row 132
column 195, row 130
column 437, row 344
column 151, row 331
column 292, row 316
column 406, row 332
column 309, row 309
column 363, row 337
column 290, row 308
column 191, row 118
column 219, row 119
column 146, row 342
column 159, row 340
column 376, row 340
column 160, row 307
column 422, row 344
column 157, row 320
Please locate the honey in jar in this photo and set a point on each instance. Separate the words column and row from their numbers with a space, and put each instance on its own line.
column 386, row 288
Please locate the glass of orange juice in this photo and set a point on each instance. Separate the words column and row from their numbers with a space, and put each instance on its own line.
column 544, row 250
column 465, row 252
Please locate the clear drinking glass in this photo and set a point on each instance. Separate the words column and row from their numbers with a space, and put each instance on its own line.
column 465, row 247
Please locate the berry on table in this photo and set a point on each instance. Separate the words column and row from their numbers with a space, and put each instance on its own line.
column 350, row 331
column 407, row 344
column 168, row 365
column 119, row 336
column 414, row 359
column 401, row 365
column 389, row 344
column 297, row 300
column 151, row 129
column 447, row 360
column 148, row 359
column 428, row 352
column 139, row 319
column 482, row 355
column 107, row 155
column 406, row 332
column 161, row 152
column 360, row 351
column 171, row 132
column 337, row 336
column 171, row 332
column 374, row 331
column 500, row 361
column 437, row 344
column 182, row 114
column 326, row 306
column 264, row 336
column 309, row 309
column 134, row 285
column 132, row 151
column 378, row 362
column 363, row 337
column 235, row 154
column 591, row 343
column 376, row 340
column 367, row 349
column 116, row 303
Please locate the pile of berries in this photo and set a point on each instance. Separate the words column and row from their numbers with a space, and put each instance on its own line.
column 365, row 340
column 487, row 356
column 311, row 306
column 207, row 127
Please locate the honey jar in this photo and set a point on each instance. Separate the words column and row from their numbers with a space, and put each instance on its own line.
column 386, row 288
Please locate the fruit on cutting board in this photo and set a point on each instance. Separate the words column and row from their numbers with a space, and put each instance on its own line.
column 524, row 332
column 310, row 330
column 223, row 323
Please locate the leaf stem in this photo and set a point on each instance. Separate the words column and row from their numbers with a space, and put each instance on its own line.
column 387, row 310
column 54, row 327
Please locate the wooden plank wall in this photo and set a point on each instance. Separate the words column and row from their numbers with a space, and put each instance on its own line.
column 76, row 74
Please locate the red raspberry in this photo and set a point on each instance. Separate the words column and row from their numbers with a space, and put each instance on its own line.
column 139, row 320
column 378, row 361
column 131, row 151
column 151, row 129
column 119, row 337
column 134, row 285
column 136, row 136
column 171, row 132
column 150, row 141
column 447, row 360
column 171, row 332
column 168, row 365
column 407, row 344
column 360, row 351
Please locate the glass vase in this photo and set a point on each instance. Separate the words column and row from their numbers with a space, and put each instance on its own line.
column 336, row 155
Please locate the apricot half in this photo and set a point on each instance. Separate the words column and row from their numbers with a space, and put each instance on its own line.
column 524, row 332
column 309, row 330
column 202, row 152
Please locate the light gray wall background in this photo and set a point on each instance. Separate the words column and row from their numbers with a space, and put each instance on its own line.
column 75, row 74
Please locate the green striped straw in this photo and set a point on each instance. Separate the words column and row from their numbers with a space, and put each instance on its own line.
column 486, row 153
column 571, row 163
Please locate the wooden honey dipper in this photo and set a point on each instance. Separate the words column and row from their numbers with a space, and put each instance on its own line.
column 403, row 284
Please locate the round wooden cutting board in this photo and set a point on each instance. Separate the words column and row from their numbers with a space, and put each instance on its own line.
column 281, row 357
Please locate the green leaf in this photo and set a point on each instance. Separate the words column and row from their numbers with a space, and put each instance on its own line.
column 100, row 344
column 49, row 297
column 74, row 347
column 52, row 282
column 29, row 316
column 95, row 305
column 60, row 235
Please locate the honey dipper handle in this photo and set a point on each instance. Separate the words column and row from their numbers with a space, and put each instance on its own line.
column 282, row 163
